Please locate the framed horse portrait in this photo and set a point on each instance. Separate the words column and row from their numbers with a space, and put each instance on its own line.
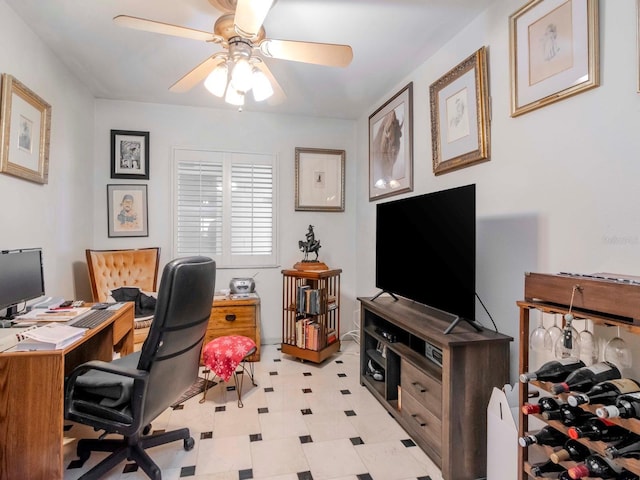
column 391, row 146
column 319, row 180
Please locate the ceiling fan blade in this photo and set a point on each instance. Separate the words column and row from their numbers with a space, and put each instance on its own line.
column 328, row 54
column 250, row 15
column 278, row 94
column 198, row 74
column 164, row 28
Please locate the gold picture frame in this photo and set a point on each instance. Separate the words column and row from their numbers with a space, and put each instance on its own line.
column 460, row 123
column 391, row 146
column 319, row 180
column 25, row 130
column 554, row 52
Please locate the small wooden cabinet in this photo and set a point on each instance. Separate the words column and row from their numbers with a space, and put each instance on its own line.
column 311, row 313
column 604, row 301
column 235, row 316
column 442, row 405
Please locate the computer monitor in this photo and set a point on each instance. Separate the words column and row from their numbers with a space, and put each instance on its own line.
column 21, row 278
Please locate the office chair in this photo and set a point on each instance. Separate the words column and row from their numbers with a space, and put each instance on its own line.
column 123, row 396
column 113, row 269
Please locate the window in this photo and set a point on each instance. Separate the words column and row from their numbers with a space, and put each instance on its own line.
column 225, row 207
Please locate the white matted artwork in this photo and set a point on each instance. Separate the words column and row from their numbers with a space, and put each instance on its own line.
column 554, row 49
column 319, row 180
column 127, row 210
column 460, row 123
column 25, row 128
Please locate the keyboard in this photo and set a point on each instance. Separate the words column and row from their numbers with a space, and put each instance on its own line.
column 93, row 319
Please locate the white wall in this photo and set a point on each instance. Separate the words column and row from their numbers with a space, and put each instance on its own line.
column 172, row 126
column 560, row 192
column 57, row 216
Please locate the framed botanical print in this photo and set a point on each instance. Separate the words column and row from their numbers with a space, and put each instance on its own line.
column 554, row 52
column 460, row 120
column 129, row 155
column 127, row 211
column 391, row 146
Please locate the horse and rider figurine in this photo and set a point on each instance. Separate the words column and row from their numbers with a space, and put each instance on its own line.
column 311, row 245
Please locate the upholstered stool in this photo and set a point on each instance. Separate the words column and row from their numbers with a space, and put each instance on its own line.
column 222, row 356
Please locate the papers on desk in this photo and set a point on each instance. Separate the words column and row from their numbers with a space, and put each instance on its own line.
column 49, row 337
column 56, row 315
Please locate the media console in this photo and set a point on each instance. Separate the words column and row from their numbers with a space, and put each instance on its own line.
column 436, row 385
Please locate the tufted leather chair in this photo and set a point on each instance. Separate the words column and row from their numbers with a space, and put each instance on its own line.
column 111, row 269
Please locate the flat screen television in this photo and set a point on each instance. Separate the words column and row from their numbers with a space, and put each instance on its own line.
column 21, row 278
column 426, row 250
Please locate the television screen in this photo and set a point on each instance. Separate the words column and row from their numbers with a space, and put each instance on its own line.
column 426, row 249
column 21, row 277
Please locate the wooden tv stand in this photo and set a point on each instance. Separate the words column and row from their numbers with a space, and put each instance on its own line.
column 443, row 408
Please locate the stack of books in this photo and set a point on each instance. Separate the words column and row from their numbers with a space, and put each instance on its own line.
column 53, row 336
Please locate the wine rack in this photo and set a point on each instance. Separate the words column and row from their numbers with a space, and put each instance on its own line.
column 603, row 301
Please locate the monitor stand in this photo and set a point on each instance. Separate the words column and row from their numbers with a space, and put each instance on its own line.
column 459, row 319
column 381, row 292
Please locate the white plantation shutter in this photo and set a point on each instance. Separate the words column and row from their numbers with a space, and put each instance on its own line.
column 225, row 207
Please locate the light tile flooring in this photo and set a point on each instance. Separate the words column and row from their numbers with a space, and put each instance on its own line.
column 302, row 422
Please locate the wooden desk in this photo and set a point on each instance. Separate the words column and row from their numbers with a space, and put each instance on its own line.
column 32, row 397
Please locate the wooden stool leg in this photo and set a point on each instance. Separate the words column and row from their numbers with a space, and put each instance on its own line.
column 206, row 385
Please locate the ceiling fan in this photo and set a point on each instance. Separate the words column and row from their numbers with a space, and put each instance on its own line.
column 239, row 67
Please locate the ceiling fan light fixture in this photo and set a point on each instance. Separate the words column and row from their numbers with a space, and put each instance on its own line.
column 216, row 82
column 262, row 88
column 234, row 97
column 241, row 75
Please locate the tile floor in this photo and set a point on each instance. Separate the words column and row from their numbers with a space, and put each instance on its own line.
column 302, row 422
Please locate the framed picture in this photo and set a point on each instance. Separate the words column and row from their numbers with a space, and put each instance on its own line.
column 460, row 115
column 25, row 131
column 129, row 155
column 127, row 210
column 554, row 52
column 391, row 146
column 319, row 180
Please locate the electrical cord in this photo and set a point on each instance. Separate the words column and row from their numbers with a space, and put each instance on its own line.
column 485, row 309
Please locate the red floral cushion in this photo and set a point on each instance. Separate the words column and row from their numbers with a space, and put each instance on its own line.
column 223, row 354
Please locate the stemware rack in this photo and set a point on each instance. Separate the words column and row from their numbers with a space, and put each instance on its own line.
column 604, row 301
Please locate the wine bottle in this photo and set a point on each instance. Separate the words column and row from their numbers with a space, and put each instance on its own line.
column 595, row 466
column 538, row 469
column 629, row 448
column 626, row 406
column 572, row 450
column 554, row 370
column 584, row 378
column 544, row 404
column 596, row 428
column 545, row 436
column 568, row 415
column 604, row 392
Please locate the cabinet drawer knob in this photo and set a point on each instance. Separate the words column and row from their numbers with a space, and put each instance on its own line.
column 419, row 387
column 230, row 318
column 421, row 422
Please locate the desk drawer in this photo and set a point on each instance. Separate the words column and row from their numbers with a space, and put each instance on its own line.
column 424, row 388
column 233, row 317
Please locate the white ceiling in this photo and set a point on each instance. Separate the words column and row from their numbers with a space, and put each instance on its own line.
column 390, row 38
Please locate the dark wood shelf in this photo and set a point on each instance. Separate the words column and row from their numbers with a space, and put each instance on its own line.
column 451, row 400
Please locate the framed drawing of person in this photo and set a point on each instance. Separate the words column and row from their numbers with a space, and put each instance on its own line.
column 127, row 211
column 391, row 146
column 129, row 155
column 459, row 102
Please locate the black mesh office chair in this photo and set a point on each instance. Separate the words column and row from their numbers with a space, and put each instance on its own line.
column 125, row 395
